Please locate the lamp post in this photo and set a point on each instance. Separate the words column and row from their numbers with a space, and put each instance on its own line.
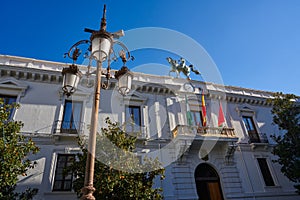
column 100, row 49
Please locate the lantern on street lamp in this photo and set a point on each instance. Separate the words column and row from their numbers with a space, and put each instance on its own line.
column 124, row 77
column 71, row 78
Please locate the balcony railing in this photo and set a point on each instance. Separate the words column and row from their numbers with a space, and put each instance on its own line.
column 204, row 131
column 66, row 127
column 216, row 131
column 260, row 138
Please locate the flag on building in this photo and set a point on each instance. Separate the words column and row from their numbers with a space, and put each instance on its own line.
column 189, row 117
column 221, row 118
column 204, row 118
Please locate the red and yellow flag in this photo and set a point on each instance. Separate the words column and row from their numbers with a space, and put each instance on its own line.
column 204, row 119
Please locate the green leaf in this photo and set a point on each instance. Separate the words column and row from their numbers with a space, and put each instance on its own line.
column 286, row 114
column 14, row 149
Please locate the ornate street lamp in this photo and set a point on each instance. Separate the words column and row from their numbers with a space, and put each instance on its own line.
column 100, row 48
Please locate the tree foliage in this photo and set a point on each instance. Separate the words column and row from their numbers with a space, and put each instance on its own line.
column 118, row 172
column 14, row 149
column 286, row 114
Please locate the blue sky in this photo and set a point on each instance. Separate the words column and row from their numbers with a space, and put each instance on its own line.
column 254, row 43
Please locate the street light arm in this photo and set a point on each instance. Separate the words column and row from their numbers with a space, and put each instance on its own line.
column 74, row 52
column 89, row 30
column 122, row 53
column 118, row 34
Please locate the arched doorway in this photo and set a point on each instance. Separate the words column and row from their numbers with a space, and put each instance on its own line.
column 208, row 183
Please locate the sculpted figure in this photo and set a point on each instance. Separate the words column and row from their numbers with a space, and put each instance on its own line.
column 181, row 67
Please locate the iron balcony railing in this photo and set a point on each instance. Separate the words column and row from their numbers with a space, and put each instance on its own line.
column 258, row 138
column 216, row 131
column 67, row 127
column 224, row 132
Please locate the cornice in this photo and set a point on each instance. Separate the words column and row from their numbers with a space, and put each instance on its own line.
column 32, row 69
column 30, row 74
column 47, row 71
column 252, row 100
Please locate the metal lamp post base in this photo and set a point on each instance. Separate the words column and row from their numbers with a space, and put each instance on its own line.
column 88, row 193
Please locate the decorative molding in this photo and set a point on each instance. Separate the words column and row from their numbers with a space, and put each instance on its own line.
column 261, row 147
column 245, row 109
column 30, row 74
column 134, row 97
column 155, row 88
column 48, row 71
column 245, row 99
column 229, row 155
column 12, row 86
column 69, row 149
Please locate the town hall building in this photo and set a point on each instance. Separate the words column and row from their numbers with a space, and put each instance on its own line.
column 213, row 140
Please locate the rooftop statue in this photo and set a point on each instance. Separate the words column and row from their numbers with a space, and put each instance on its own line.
column 181, row 66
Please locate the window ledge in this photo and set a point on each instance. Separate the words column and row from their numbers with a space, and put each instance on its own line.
column 60, row 193
column 66, row 134
column 260, row 146
column 272, row 187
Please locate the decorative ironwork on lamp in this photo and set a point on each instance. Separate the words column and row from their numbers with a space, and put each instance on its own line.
column 100, row 48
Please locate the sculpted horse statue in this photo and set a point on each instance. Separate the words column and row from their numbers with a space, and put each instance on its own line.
column 181, row 67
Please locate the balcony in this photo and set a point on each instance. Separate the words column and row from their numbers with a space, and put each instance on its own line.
column 64, row 128
column 201, row 133
column 261, row 142
column 193, row 137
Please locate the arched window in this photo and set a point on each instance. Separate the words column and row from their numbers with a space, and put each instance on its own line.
column 208, row 183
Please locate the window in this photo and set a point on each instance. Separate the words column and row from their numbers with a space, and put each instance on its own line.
column 62, row 180
column 9, row 100
column 253, row 135
column 197, row 118
column 71, row 117
column 133, row 119
column 264, row 168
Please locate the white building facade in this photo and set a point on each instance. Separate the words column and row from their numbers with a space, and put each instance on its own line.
column 232, row 161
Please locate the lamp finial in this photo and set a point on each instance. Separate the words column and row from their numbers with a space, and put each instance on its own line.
column 103, row 20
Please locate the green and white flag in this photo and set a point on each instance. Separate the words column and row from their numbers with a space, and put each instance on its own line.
column 188, row 113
